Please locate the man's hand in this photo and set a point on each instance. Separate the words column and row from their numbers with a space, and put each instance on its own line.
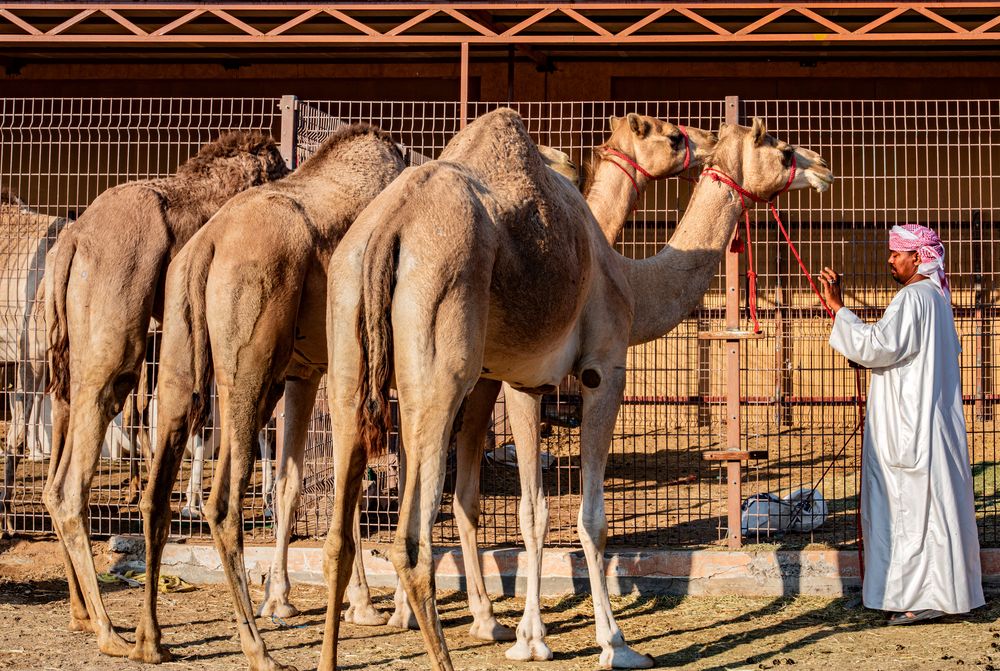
column 829, row 282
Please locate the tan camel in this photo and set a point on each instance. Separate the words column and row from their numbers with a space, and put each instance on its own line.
column 104, row 282
column 640, row 148
column 448, row 277
column 245, row 304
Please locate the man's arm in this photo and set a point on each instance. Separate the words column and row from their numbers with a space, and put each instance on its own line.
column 895, row 338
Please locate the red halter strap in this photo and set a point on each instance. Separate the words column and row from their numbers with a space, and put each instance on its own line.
column 642, row 171
column 719, row 176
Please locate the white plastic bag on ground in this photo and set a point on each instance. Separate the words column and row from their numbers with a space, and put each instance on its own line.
column 806, row 513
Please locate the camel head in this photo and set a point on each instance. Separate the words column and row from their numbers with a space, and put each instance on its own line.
column 660, row 147
column 560, row 163
column 237, row 161
column 765, row 165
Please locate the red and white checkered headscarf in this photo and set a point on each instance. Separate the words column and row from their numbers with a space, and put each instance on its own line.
column 929, row 249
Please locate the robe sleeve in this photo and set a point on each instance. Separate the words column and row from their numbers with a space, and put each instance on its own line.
column 892, row 340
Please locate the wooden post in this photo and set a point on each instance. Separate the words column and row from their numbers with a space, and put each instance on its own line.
column 733, row 467
column 289, row 129
column 463, row 104
column 289, row 147
column 983, row 371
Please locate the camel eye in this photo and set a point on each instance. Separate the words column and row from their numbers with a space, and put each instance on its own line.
column 676, row 140
column 787, row 156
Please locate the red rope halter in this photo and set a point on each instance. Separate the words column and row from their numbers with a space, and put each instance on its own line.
column 642, row 171
column 719, row 176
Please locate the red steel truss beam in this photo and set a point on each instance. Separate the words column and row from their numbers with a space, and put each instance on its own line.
column 551, row 23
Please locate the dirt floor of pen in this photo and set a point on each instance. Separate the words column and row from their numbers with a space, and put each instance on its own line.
column 680, row 632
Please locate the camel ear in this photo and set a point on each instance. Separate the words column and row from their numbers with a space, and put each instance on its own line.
column 613, row 122
column 638, row 125
column 758, row 131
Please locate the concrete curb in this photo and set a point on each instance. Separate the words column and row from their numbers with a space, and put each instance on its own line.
column 564, row 570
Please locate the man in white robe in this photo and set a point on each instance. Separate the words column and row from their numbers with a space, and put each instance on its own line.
column 921, row 545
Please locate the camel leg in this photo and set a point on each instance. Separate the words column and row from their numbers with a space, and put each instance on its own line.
column 361, row 610
column 194, row 505
column 172, row 434
column 300, row 396
column 402, row 615
column 470, row 440
column 600, row 411
column 67, row 496
column 242, row 417
column 130, row 421
column 267, row 457
column 79, row 618
column 340, row 546
column 524, row 412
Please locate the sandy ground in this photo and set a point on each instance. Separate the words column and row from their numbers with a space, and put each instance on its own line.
column 680, row 632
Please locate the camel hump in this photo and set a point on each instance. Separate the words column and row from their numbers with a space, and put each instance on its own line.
column 498, row 148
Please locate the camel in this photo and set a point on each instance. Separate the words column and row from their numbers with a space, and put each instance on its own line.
column 103, row 285
column 245, row 305
column 444, row 288
column 22, row 345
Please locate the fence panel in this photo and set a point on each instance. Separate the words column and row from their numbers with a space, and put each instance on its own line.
column 926, row 162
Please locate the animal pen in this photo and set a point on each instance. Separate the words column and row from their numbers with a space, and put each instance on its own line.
column 930, row 162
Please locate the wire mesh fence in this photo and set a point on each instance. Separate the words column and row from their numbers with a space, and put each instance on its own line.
column 929, row 162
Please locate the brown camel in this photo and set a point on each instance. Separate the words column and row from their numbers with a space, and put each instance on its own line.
column 104, row 282
column 448, row 277
column 245, row 304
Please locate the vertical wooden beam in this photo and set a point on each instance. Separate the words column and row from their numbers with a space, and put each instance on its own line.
column 289, row 150
column 463, row 104
column 734, row 494
column 289, row 129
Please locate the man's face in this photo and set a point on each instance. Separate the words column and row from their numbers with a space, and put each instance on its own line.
column 903, row 265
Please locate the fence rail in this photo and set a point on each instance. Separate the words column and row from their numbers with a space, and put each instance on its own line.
column 929, row 162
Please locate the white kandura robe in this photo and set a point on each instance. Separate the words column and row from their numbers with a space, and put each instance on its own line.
column 917, row 504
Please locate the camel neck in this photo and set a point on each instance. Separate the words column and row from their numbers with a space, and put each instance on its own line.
column 612, row 195
column 669, row 286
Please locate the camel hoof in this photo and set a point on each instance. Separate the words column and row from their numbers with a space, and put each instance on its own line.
column 525, row 650
column 401, row 620
column 491, row 630
column 81, row 624
column 367, row 616
column 276, row 608
column 192, row 513
column 114, row 645
column 150, row 653
column 625, row 658
column 271, row 665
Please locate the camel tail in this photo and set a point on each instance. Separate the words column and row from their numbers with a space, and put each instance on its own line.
column 375, row 340
column 57, row 272
column 194, row 312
